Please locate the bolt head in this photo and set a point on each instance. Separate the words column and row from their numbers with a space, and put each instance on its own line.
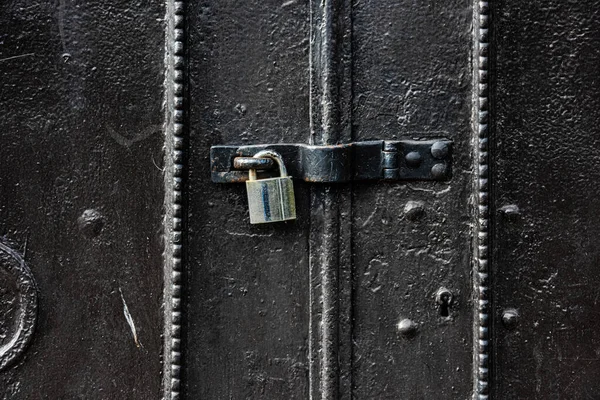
column 439, row 171
column 407, row 327
column 414, row 210
column 90, row 223
column 439, row 150
column 510, row 318
column 413, row 159
column 510, row 211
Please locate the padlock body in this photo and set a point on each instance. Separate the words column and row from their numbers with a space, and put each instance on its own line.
column 271, row 200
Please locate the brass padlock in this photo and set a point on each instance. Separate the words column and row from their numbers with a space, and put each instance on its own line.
column 271, row 199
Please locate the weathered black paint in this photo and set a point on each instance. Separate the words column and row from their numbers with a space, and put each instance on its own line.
column 81, row 194
column 546, row 163
column 247, row 299
column 379, row 289
column 369, row 266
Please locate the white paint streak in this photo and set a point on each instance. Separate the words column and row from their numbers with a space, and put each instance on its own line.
column 130, row 322
column 251, row 235
column 14, row 57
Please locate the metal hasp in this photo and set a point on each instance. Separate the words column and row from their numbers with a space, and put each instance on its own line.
column 393, row 160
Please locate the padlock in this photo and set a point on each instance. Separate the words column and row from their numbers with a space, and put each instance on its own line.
column 271, row 199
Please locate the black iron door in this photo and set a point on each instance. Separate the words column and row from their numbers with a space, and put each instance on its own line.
column 444, row 159
column 312, row 308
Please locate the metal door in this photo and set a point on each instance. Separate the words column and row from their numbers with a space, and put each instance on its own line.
column 127, row 273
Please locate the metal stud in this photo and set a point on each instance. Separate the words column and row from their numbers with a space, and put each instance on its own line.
column 510, row 318
column 413, row 159
column 439, row 171
column 414, row 210
column 407, row 327
column 439, row 150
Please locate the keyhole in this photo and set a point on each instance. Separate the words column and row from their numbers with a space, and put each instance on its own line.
column 444, row 309
column 444, row 299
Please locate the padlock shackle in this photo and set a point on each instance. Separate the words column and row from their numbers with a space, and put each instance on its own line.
column 269, row 154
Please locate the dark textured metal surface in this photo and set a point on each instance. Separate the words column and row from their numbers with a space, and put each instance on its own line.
column 150, row 281
column 369, row 160
column 546, row 165
column 81, row 194
column 246, row 300
column 262, row 319
column 412, row 77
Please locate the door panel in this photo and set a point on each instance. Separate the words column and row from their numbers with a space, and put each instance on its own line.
column 247, row 298
column 113, row 238
column 546, row 158
column 412, row 79
column 282, row 310
column 81, row 197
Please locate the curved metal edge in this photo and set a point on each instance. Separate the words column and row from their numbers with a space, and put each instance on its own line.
column 28, row 304
column 274, row 156
column 481, row 367
column 174, row 179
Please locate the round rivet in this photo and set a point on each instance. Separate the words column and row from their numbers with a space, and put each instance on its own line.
column 407, row 327
column 510, row 211
column 439, row 171
column 439, row 150
column 510, row 318
column 90, row 223
column 414, row 210
column 413, row 159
